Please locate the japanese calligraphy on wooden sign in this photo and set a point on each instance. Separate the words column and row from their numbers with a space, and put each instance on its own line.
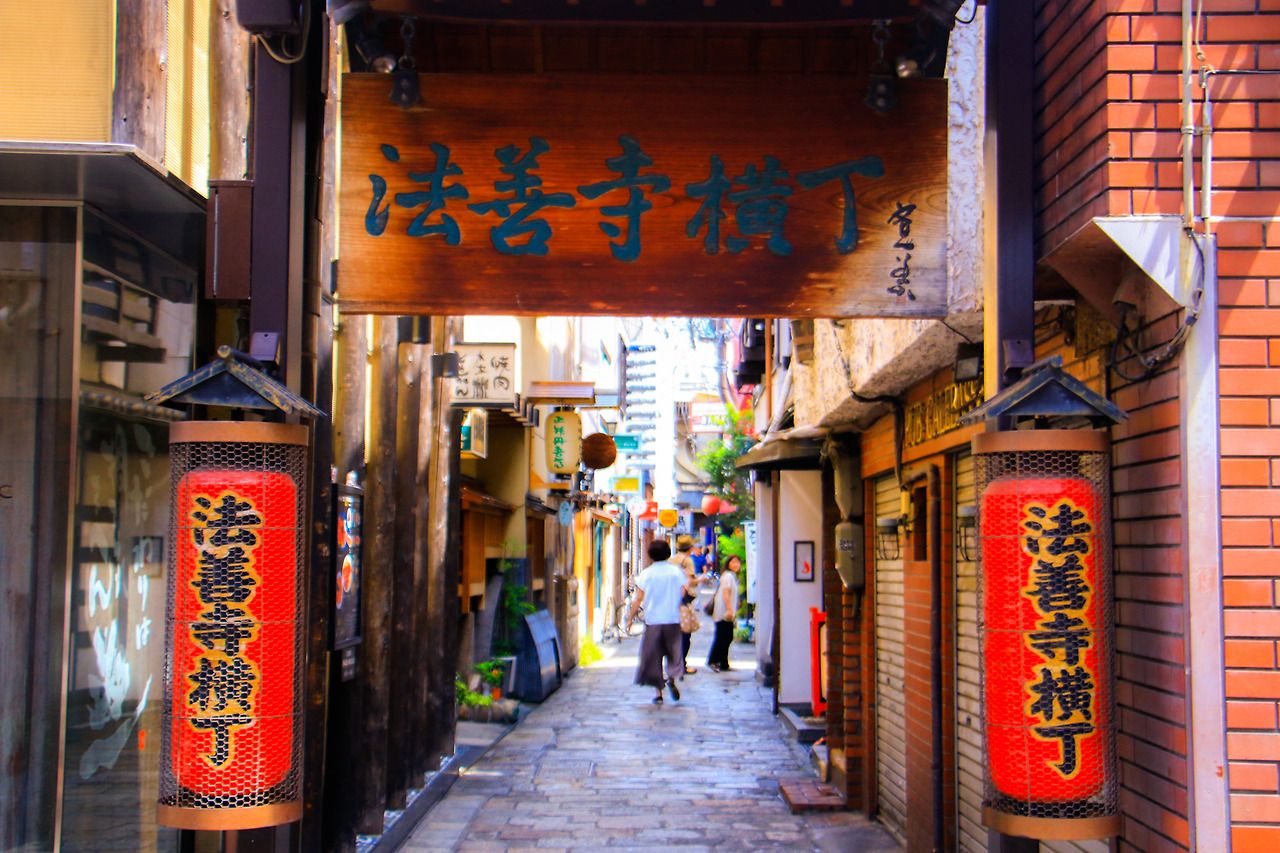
column 1043, row 683
column 486, row 375
column 643, row 194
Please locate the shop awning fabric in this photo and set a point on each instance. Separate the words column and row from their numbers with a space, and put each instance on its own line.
column 784, row 454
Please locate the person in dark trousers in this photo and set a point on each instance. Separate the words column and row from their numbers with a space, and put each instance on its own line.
column 724, row 614
column 659, row 588
column 684, row 559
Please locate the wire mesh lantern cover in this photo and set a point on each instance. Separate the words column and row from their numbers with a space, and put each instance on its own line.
column 1047, row 633
column 231, row 752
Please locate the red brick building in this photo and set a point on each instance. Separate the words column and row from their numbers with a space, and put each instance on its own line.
column 1129, row 164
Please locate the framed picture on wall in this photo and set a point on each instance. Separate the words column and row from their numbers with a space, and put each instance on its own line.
column 804, row 562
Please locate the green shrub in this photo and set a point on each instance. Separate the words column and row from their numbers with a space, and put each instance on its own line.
column 589, row 653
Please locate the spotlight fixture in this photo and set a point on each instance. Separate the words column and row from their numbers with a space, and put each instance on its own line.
column 968, row 362
column 373, row 51
column 942, row 11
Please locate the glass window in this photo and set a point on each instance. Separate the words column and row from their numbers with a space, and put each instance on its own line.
column 137, row 316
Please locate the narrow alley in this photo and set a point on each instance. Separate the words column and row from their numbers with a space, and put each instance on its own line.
column 598, row 766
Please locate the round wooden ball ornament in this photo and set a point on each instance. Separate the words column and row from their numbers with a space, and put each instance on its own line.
column 598, row 450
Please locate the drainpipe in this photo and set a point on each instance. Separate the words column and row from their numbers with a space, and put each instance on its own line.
column 1209, row 814
column 934, row 509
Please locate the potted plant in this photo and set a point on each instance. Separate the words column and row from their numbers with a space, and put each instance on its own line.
column 491, row 672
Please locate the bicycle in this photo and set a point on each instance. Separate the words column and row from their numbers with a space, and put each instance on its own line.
column 636, row 628
column 612, row 629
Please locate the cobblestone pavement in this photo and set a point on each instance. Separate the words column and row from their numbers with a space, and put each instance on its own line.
column 599, row 767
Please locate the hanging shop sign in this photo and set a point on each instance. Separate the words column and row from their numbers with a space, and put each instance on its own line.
column 486, row 375
column 786, row 195
column 564, row 442
column 940, row 412
column 625, row 486
column 625, row 442
column 708, row 418
column 475, row 434
column 668, row 517
column 232, row 718
column 1048, row 702
column 348, row 553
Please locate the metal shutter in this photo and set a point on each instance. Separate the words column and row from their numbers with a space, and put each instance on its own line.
column 971, row 835
column 891, row 757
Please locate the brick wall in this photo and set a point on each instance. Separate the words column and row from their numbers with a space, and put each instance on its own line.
column 1109, row 113
column 1109, row 144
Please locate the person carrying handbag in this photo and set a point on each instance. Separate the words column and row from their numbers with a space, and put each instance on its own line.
column 724, row 611
column 688, row 617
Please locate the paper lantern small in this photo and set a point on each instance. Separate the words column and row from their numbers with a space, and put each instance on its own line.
column 564, row 442
column 598, row 450
column 710, row 504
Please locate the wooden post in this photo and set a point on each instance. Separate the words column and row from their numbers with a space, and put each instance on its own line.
column 401, row 710
column 229, row 110
column 442, row 578
column 379, row 542
column 343, row 755
column 318, row 373
column 138, row 102
column 424, row 640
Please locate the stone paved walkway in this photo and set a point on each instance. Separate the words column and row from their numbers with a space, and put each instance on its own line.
column 599, row 767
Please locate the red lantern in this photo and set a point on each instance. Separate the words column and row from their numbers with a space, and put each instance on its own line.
column 231, row 748
column 1046, row 645
column 727, row 508
column 710, row 504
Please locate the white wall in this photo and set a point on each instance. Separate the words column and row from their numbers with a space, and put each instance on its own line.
column 799, row 519
column 764, row 570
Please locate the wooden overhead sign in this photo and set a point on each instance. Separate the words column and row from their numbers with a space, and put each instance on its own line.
column 643, row 195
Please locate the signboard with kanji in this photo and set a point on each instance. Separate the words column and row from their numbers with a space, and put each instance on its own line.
column 708, row 417
column 1043, row 683
column 626, row 442
column 643, row 195
column 486, row 375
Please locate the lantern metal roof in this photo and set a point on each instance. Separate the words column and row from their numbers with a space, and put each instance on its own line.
column 1046, row 390
column 236, row 380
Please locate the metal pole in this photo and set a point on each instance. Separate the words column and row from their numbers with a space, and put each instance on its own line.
column 1010, row 245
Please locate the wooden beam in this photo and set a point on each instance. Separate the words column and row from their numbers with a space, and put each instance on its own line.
column 410, row 359
column 138, row 102
column 379, row 541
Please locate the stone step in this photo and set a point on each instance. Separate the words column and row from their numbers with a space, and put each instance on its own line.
column 808, row 795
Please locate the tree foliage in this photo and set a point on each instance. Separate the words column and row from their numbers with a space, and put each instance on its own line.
column 728, row 482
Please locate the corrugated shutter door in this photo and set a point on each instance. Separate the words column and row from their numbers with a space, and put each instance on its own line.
column 971, row 836
column 891, row 753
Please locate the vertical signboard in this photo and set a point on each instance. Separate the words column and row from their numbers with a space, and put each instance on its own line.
column 752, row 543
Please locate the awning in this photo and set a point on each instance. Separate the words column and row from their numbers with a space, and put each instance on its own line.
column 117, row 180
column 784, row 454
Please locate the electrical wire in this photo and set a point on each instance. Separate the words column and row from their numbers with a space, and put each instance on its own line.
column 286, row 58
column 957, row 331
column 1151, row 363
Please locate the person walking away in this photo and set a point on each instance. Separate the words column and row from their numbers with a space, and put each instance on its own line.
column 699, row 557
column 724, row 614
column 659, row 588
column 688, row 617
